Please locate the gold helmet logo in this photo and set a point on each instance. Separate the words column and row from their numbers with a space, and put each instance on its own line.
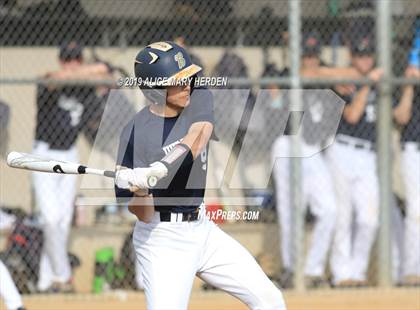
column 179, row 58
column 161, row 46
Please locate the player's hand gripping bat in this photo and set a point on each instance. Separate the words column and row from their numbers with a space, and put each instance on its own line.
column 38, row 163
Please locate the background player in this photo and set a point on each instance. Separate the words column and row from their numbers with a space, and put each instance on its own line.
column 353, row 164
column 317, row 183
column 407, row 114
column 8, row 290
column 61, row 112
column 173, row 238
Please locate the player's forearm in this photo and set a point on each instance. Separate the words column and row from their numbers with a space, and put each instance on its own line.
column 330, row 72
column 186, row 152
column 83, row 72
column 197, row 137
column 353, row 112
column 402, row 113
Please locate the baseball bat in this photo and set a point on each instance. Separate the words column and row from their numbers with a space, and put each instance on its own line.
column 41, row 164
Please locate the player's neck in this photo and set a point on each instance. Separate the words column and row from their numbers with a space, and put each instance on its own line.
column 165, row 110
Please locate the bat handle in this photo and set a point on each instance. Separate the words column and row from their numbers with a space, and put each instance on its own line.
column 109, row 174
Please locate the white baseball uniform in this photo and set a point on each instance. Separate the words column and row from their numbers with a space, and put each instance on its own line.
column 318, row 192
column 60, row 117
column 173, row 253
column 411, row 175
column 410, row 167
column 352, row 159
column 54, row 196
column 8, row 290
column 319, row 123
column 180, row 242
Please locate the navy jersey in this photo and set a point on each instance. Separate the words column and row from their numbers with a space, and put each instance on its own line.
column 149, row 137
column 61, row 114
column 317, row 125
column 366, row 127
column 411, row 131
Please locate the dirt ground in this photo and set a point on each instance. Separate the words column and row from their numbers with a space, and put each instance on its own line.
column 366, row 299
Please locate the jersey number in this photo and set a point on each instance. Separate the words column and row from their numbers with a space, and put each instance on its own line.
column 370, row 113
column 74, row 107
column 316, row 110
column 203, row 156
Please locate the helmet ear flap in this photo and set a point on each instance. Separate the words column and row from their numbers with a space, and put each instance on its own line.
column 194, row 79
column 155, row 95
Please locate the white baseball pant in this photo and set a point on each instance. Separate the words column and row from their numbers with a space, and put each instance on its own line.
column 54, row 196
column 356, row 181
column 7, row 221
column 171, row 254
column 8, row 290
column 410, row 162
column 318, row 192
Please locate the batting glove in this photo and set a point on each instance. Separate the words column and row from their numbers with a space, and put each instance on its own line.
column 140, row 177
column 147, row 177
column 124, row 178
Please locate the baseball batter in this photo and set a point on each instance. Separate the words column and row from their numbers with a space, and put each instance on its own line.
column 407, row 113
column 173, row 239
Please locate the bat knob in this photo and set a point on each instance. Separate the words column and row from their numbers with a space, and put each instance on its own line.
column 152, row 181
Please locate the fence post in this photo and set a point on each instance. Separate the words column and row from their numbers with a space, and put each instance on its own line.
column 384, row 50
column 295, row 171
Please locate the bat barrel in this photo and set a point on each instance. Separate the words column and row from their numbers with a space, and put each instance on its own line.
column 37, row 163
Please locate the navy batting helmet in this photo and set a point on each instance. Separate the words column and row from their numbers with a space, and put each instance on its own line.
column 160, row 64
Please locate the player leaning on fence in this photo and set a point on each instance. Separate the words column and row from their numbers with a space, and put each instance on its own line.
column 353, row 164
column 318, row 190
column 407, row 114
column 61, row 113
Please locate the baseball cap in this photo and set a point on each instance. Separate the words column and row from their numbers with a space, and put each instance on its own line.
column 270, row 70
column 70, row 50
column 311, row 44
column 362, row 45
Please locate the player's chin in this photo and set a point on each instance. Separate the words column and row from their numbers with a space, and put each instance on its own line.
column 183, row 102
column 187, row 102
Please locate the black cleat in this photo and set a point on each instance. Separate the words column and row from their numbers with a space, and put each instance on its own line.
column 286, row 279
column 316, row 282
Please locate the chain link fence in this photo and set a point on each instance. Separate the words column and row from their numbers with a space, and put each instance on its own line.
column 331, row 184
